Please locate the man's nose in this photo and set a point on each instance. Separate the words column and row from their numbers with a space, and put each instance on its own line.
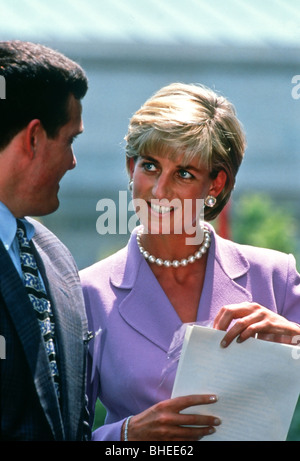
column 73, row 162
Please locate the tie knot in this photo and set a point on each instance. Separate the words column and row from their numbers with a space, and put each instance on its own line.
column 21, row 233
column 20, row 225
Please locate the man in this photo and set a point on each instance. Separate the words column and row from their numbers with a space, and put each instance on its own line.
column 42, row 317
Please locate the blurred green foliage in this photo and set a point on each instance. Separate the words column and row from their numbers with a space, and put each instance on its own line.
column 100, row 414
column 257, row 220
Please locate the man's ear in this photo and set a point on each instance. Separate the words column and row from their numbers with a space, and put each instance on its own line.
column 33, row 132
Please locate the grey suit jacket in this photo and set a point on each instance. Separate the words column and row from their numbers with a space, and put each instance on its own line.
column 29, row 407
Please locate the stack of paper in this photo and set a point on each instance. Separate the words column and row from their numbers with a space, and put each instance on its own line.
column 257, row 383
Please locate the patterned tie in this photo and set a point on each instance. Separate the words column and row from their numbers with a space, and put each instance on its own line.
column 39, row 299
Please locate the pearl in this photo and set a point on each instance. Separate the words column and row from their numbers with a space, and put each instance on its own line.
column 184, row 262
column 210, row 201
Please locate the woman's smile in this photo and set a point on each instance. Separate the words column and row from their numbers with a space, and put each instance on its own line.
column 160, row 209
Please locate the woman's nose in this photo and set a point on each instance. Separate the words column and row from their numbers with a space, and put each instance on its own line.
column 161, row 188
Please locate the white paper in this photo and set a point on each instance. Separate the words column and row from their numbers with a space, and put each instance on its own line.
column 257, row 383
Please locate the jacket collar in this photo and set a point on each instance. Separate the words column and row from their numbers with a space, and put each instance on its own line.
column 23, row 317
column 70, row 328
column 127, row 264
column 225, row 277
column 225, row 269
column 226, row 254
column 70, row 334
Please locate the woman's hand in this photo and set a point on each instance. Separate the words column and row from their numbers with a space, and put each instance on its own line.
column 254, row 319
column 164, row 422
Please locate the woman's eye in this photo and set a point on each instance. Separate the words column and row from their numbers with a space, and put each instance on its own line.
column 148, row 166
column 185, row 174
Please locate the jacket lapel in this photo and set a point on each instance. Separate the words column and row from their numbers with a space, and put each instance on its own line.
column 24, row 319
column 131, row 272
column 225, row 273
column 69, row 330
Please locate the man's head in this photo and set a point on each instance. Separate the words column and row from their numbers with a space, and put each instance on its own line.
column 39, row 120
column 38, row 82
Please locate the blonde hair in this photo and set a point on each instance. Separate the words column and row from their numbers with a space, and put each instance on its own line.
column 192, row 120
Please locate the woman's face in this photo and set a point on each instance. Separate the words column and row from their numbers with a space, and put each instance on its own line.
column 169, row 195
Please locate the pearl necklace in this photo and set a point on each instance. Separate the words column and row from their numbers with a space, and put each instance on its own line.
column 184, row 262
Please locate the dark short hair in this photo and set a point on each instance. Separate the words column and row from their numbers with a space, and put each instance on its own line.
column 39, row 82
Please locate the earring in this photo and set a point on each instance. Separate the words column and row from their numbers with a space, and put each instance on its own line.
column 130, row 185
column 210, row 201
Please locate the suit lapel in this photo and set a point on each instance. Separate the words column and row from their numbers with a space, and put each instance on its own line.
column 225, row 272
column 69, row 328
column 155, row 319
column 24, row 319
column 226, row 268
column 131, row 272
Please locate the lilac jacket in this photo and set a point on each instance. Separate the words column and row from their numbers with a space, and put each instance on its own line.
column 134, row 322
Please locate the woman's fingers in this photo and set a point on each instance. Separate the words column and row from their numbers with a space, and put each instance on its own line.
column 230, row 312
column 165, row 421
column 180, row 403
column 252, row 319
column 189, row 417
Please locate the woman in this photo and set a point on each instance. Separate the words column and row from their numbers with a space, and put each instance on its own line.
column 184, row 146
